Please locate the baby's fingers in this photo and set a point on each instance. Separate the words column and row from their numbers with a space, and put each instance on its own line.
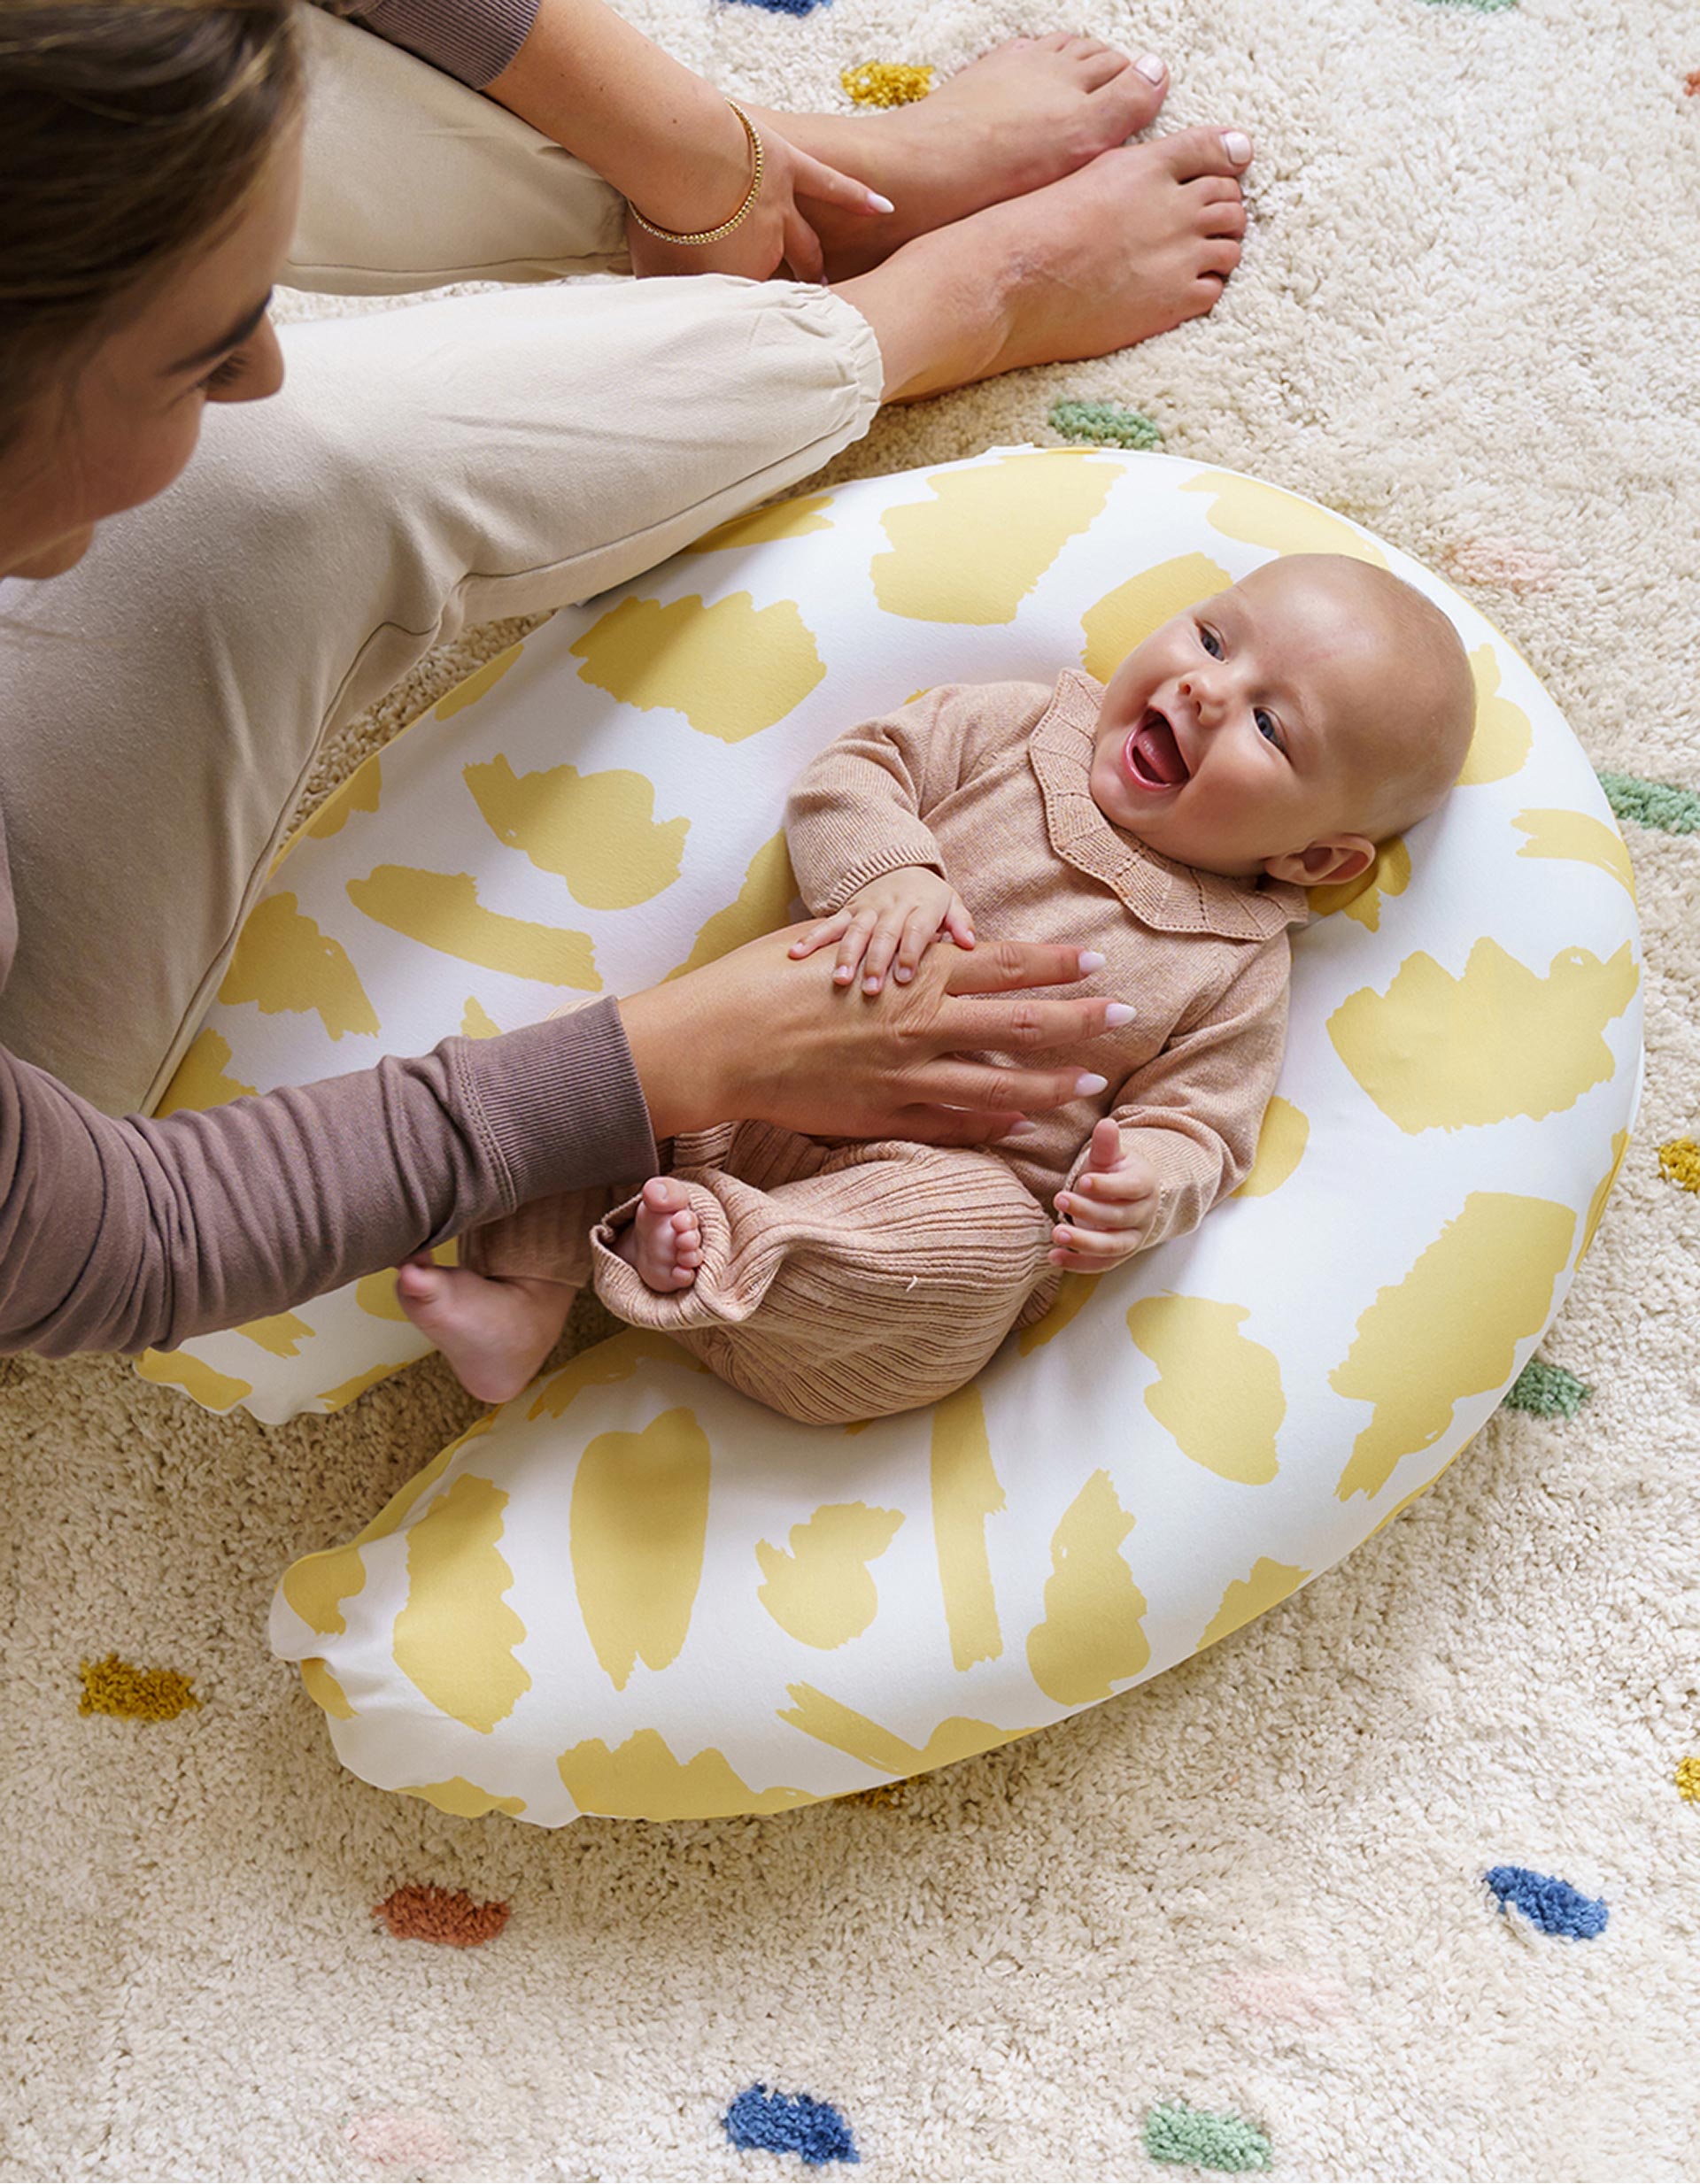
column 853, row 945
column 1088, row 1251
column 821, row 936
column 958, row 923
column 881, row 948
column 919, row 930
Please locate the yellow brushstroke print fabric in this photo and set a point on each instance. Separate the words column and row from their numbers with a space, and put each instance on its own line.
column 631, row 1592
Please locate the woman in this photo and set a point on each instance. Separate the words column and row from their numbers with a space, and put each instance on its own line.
column 161, row 700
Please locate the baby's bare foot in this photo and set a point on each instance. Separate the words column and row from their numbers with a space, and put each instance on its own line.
column 1130, row 246
column 664, row 1242
column 1023, row 115
column 496, row 1334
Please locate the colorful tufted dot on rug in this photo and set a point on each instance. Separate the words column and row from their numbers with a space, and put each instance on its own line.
column 789, row 2123
column 1103, row 424
column 1652, row 803
column 1202, row 2139
column 1547, row 1391
column 1688, row 1780
column 1679, row 1162
column 116, row 1686
column 1550, row 1905
column 421, row 1912
column 887, row 83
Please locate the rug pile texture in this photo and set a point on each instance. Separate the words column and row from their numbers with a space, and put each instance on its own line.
column 1401, row 1882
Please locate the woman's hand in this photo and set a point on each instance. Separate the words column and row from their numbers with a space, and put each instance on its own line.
column 1109, row 1209
column 898, row 916
column 777, row 233
column 759, row 1035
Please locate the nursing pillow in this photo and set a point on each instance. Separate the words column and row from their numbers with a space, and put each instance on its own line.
column 633, row 1591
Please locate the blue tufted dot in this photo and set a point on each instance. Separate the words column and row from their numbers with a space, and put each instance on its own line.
column 786, row 2123
column 1552, row 1905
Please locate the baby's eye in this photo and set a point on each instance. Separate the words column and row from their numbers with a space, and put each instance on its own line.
column 1209, row 640
column 1267, row 727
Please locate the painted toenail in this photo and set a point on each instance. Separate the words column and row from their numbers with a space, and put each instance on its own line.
column 1237, row 144
column 1151, row 68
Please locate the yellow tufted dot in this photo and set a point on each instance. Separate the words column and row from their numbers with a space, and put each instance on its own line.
column 820, row 1591
column 1217, row 1391
column 1451, row 1328
column 637, row 1530
column 116, row 1686
column 887, row 83
column 283, row 962
column 1124, row 618
column 1439, row 1053
column 974, row 552
column 442, row 910
column 732, row 669
column 596, row 831
column 1091, row 1636
column 1264, row 515
column 641, row 1780
column 966, row 1494
column 455, row 1634
column 1679, row 1162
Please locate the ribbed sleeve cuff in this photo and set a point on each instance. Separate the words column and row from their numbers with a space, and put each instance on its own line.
column 472, row 39
column 907, row 849
column 562, row 1103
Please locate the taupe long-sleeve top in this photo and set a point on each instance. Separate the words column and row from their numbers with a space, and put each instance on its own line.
column 122, row 1235
column 987, row 785
column 472, row 39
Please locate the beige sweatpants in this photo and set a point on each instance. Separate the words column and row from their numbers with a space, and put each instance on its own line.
column 423, row 469
column 838, row 1282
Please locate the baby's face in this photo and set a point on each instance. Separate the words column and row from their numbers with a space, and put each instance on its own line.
column 1241, row 730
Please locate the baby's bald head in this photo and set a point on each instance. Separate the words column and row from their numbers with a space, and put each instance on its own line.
column 1405, row 742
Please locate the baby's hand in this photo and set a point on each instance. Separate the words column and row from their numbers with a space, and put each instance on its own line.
column 1109, row 1209
column 899, row 914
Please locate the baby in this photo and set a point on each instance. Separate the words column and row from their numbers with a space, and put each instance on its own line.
column 1259, row 744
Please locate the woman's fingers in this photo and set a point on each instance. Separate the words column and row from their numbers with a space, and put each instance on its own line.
column 812, row 178
column 933, row 1125
column 1009, row 966
column 803, row 253
column 986, row 1089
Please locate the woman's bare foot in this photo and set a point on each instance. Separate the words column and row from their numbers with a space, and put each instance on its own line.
column 664, row 1242
column 1129, row 246
column 1025, row 114
column 495, row 1333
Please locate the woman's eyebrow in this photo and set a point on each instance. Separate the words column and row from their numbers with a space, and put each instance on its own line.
column 238, row 334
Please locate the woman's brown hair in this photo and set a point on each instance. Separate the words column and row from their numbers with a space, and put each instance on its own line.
column 131, row 132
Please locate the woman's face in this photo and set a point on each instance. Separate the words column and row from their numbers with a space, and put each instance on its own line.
column 123, row 428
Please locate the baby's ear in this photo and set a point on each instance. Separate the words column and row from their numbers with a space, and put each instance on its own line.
column 1328, row 863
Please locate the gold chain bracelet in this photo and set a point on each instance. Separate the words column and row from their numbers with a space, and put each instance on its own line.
column 714, row 234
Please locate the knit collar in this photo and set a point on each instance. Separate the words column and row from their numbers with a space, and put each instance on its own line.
column 1172, row 898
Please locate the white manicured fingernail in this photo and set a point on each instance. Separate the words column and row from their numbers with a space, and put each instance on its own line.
column 1021, row 1129
column 1089, row 1083
column 1090, row 961
column 1237, row 144
column 879, row 203
column 1151, row 68
column 1117, row 1014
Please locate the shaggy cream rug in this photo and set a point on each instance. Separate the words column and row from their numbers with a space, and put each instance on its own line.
column 1239, row 1917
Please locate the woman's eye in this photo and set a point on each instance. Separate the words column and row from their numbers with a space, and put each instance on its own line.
column 1267, row 727
column 225, row 373
column 1209, row 640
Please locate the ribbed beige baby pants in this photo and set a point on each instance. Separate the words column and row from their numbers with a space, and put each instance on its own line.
column 423, row 469
column 838, row 1282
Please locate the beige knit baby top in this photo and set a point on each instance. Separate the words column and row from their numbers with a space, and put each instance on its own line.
column 986, row 784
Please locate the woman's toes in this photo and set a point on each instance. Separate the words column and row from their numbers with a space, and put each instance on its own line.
column 1193, row 153
column 1218, row 255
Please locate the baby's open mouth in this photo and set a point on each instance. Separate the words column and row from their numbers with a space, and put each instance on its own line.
column 1152, row 756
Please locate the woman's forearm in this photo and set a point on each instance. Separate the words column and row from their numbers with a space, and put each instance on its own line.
column 122, row 1235
column 663, row 137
